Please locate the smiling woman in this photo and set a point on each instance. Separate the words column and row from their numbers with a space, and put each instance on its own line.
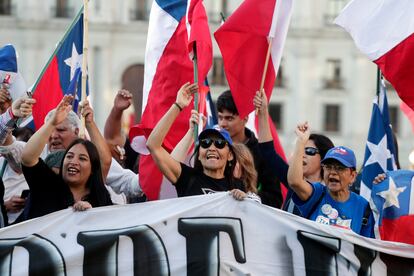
column 80, row 181
column 214, row 158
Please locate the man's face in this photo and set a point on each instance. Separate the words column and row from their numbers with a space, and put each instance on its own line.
column 231, row 122
column 62, row 136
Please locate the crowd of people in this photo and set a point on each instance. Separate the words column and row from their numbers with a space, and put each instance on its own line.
column 54, row 168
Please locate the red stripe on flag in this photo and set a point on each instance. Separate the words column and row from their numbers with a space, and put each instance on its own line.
column 150, row 177
column 399, row 230
column 173, row 70
column 48, row 93
column 243, row 44
column 397, row 66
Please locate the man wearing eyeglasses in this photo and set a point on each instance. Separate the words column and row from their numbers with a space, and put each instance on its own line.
column 229, row 119
column 333, row 204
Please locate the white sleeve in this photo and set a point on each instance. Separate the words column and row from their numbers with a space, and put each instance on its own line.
column 123, row 180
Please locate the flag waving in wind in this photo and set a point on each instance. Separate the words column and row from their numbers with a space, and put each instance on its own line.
column 380, row 153
column 61, row 74
column 244, row 39
column 173, row 27
column 9, row 74
column 384, row 31
column 380, row 150
column 393, row 198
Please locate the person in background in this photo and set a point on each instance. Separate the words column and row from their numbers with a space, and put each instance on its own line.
column 229, row 119
column 333, row 203
column 117, row 141
column 10, row 170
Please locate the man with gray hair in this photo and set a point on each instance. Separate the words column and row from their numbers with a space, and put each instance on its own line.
column 64, row 133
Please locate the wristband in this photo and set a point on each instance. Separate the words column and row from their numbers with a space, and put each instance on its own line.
column 179, row 107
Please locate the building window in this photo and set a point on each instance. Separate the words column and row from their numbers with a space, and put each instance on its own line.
column 5, row 7
column 219, row 77
column 139, row 11
column 394, row 113
column 276, row 113
column 333, row 78
column 62, row 9
column 332, row 118
column 333, row 9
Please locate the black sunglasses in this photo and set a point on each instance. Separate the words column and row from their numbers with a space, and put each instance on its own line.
column 218, row 143
column 311, row 151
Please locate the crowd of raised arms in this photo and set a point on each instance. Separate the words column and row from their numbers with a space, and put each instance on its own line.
column 53, row 168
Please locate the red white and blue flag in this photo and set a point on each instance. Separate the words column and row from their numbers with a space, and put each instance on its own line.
column 243, row 40
column 394, row 199
column 380, row 152
column 167, row 67
column 61, row 74
column 384, row 31
column 9, row 74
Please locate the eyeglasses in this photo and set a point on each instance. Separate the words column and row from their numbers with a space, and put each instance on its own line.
column 218, row 143
column 331, row 167
column 311, row 151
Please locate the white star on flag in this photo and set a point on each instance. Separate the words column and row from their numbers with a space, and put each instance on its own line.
column 74, row 62
column 379, row 153
column 391, row 195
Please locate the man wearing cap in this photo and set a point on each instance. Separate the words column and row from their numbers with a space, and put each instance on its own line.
column 333, row 203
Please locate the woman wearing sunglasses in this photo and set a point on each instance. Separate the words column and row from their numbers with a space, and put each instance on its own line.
column 214, row 156
column 315, row 149
column 333, row 203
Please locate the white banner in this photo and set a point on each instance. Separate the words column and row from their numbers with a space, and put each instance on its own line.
column 203, row 235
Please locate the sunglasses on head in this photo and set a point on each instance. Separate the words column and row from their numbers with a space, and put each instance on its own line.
column 311, row 151
column 218, row 143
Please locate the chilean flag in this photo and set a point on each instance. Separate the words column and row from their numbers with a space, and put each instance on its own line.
column 244, row 39
column 9, row 74
column 61, row 74
column 384, row 31
column 173, row 26
column 393, row 198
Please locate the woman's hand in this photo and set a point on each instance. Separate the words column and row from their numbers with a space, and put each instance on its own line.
column 81, row 206
column 185, row 94
column 238, row 194
column 303, row 132
column 86, row 111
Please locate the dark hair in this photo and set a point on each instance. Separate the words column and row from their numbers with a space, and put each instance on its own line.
column 23, row 133
column 98, row 194
column 225, row 102
column 228, row 171
column 323, row 144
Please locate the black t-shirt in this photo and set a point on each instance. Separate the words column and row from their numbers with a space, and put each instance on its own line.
column 269, row 191
column 193, row 182
column 48, row 192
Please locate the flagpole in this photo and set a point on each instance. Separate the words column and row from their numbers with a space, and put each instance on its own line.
column 269, row 50
column 84, row 61
column 195, row 68
column 379, row 75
